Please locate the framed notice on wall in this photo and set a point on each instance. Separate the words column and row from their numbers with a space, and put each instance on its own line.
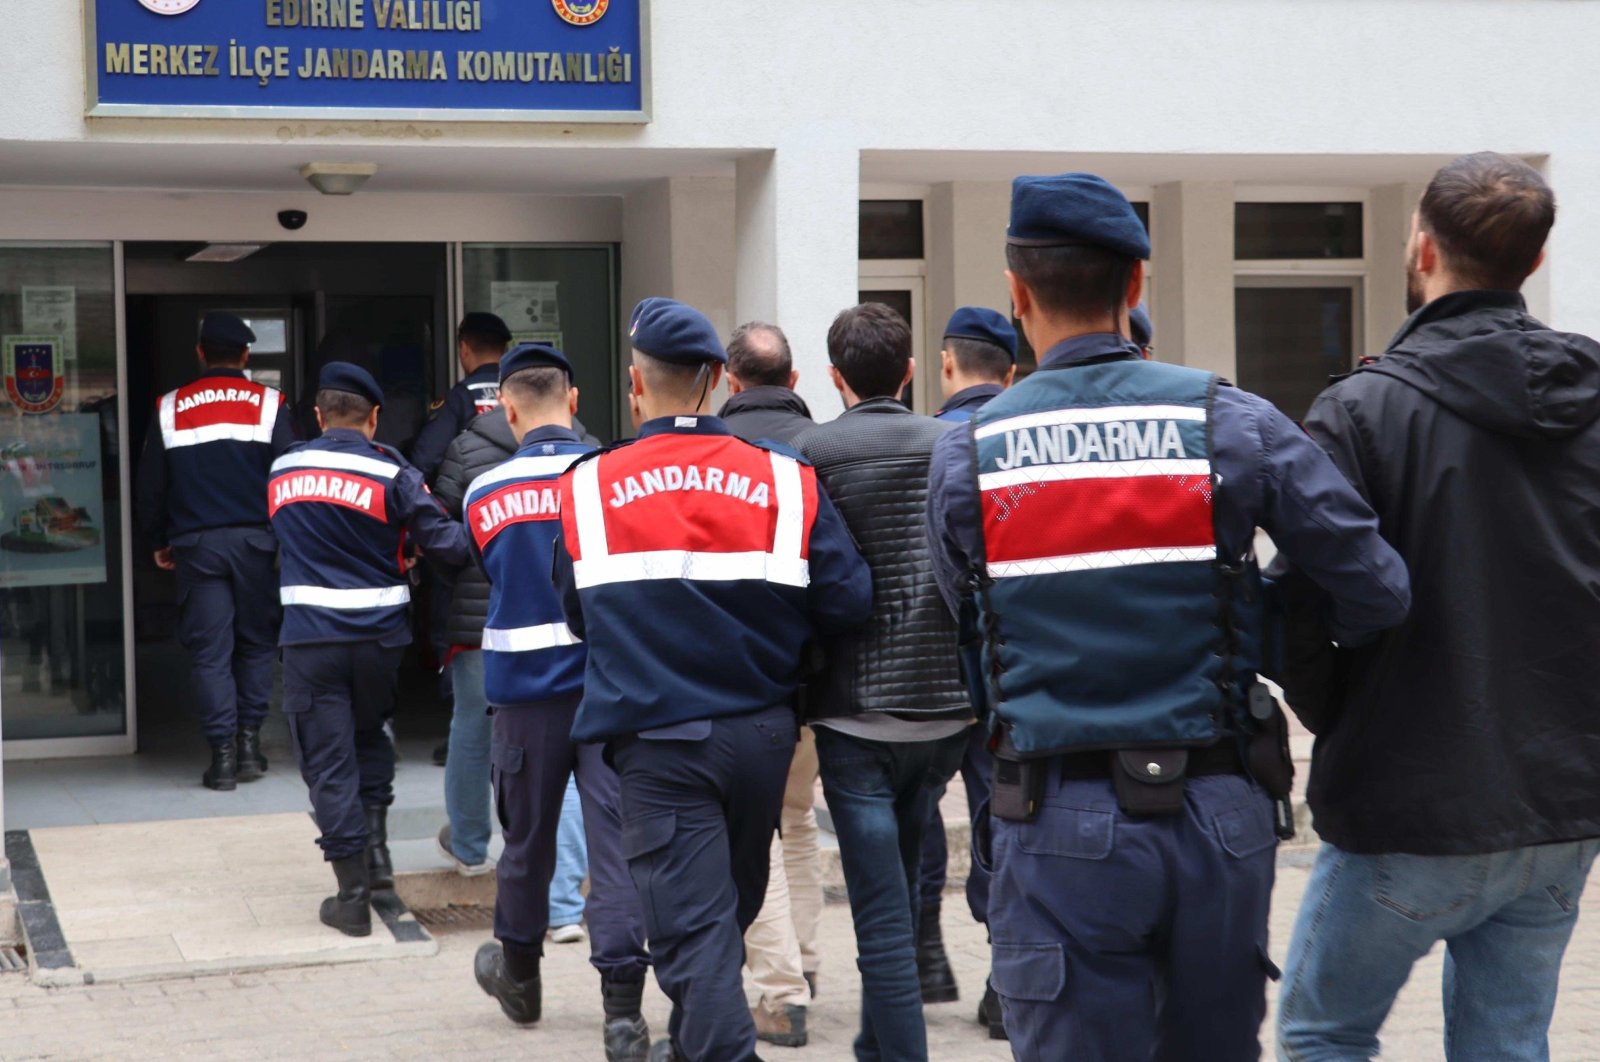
column 52, row 510
column 429, row 60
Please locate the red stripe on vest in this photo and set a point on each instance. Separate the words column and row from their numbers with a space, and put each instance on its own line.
column 515, row 503
column 345, row 489
column 210, row 404
column 651, row 501
column 1070, row 517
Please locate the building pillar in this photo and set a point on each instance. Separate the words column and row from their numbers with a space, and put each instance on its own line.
column 1392, row 206
column 1192, row 240
column 966, row 258
column 796, row 238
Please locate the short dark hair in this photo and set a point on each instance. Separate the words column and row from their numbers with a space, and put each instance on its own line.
column 222, row 354
column 340, row 408
column 483, row 344
column 671, row 379
column 540, row 385
column 1490, row 215
column 758, row 354
column 870, row 344
column 980, row 360
column 1080, row 280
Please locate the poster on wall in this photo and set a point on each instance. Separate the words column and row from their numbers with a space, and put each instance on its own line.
column 52, row 511
column 53, row 311
column 526, row 306
column 35, row 373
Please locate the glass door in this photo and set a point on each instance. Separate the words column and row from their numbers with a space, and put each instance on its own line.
column 63, row 648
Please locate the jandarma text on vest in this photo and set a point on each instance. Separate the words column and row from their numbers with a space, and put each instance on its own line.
column 218, row 394
column 689, row 477
column 1119, row 440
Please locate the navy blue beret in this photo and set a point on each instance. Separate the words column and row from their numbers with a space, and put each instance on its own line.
column 671, row 331
column 343, row 376
column 984, row 325
column 1074, row 209
column 534, row 356
column 220, row 327
column 478, row 323
column 1139, row 325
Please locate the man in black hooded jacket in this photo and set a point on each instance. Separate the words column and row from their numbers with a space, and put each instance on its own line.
column 1456, row 776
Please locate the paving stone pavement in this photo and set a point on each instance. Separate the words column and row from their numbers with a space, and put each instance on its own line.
column 430, row 1008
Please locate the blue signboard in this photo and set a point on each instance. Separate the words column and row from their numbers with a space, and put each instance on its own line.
column 434, row 60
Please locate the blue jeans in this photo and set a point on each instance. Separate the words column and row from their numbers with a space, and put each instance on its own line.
column 878, row 793
column 466, row 770
column 572, row 861
column 1506, row 918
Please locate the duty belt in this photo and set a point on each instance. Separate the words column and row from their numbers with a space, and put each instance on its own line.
column 1217, row 759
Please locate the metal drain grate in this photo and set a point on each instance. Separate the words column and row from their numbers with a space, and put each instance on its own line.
column 11, row 961
column 456, row 917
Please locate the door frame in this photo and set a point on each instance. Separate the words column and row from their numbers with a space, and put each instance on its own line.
column 909, row 276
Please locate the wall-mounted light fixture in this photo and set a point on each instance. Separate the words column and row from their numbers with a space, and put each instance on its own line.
column 338, row 178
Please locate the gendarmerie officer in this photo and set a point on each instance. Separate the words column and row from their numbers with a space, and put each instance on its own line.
column 341, row 506
column 697, row 567
column 481, row 341
column 1106, row 522
column 979, row 360
column 533, row 676
column 201, row 498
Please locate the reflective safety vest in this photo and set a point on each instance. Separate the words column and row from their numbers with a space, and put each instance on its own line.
column 342, row 577
column 1109, row 620
column 514, row 514
column 690, row 556
column 217, row 434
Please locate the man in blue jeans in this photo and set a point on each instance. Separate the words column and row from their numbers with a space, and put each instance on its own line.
column 889, row 710
column 1454, row 777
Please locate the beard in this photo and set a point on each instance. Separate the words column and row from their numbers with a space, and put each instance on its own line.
column 1415, row 300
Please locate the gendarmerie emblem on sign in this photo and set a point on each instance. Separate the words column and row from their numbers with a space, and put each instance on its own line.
column 168, row 7
column 581, row 12
column 33, row 372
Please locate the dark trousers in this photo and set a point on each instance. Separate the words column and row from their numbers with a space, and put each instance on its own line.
column 1134, row 938
column 336, row 698
column 228, row 616
column 698, row 813
column 878, row 793
column 977, row 767
column 531, row 757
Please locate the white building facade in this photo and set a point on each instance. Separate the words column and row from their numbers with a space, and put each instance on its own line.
column 789, row 160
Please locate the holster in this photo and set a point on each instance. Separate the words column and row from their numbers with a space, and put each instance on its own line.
column 1017, row 789
column 1271, row 764
column 1149, row 781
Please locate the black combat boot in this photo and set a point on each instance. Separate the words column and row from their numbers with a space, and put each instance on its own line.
column 626, row 1034
column 380, row 868
column 933, row 966
column 521, row 997
column 223, row 774
column 252, row 763
column 350, row 912
column 989, row 1013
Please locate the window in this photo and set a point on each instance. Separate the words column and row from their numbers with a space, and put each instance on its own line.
column 891, row 228
column 1273, row 231
column 563, row 296
column 1293, row 335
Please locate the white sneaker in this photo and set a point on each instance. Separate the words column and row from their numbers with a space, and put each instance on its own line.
column 466, row 870
column 573, row 934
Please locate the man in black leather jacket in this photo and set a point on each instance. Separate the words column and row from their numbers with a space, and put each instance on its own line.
column 889, row 709
column 1454, row 780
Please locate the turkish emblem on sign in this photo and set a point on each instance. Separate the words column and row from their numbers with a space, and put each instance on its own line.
column 33, row 372
column 581, row 12
column 168, row 7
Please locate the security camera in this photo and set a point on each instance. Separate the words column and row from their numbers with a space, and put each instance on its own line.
column 293, row 220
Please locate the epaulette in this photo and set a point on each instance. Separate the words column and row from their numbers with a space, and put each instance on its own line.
column 389, row 451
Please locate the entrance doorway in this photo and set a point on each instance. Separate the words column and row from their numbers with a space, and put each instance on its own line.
column 385, row 307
